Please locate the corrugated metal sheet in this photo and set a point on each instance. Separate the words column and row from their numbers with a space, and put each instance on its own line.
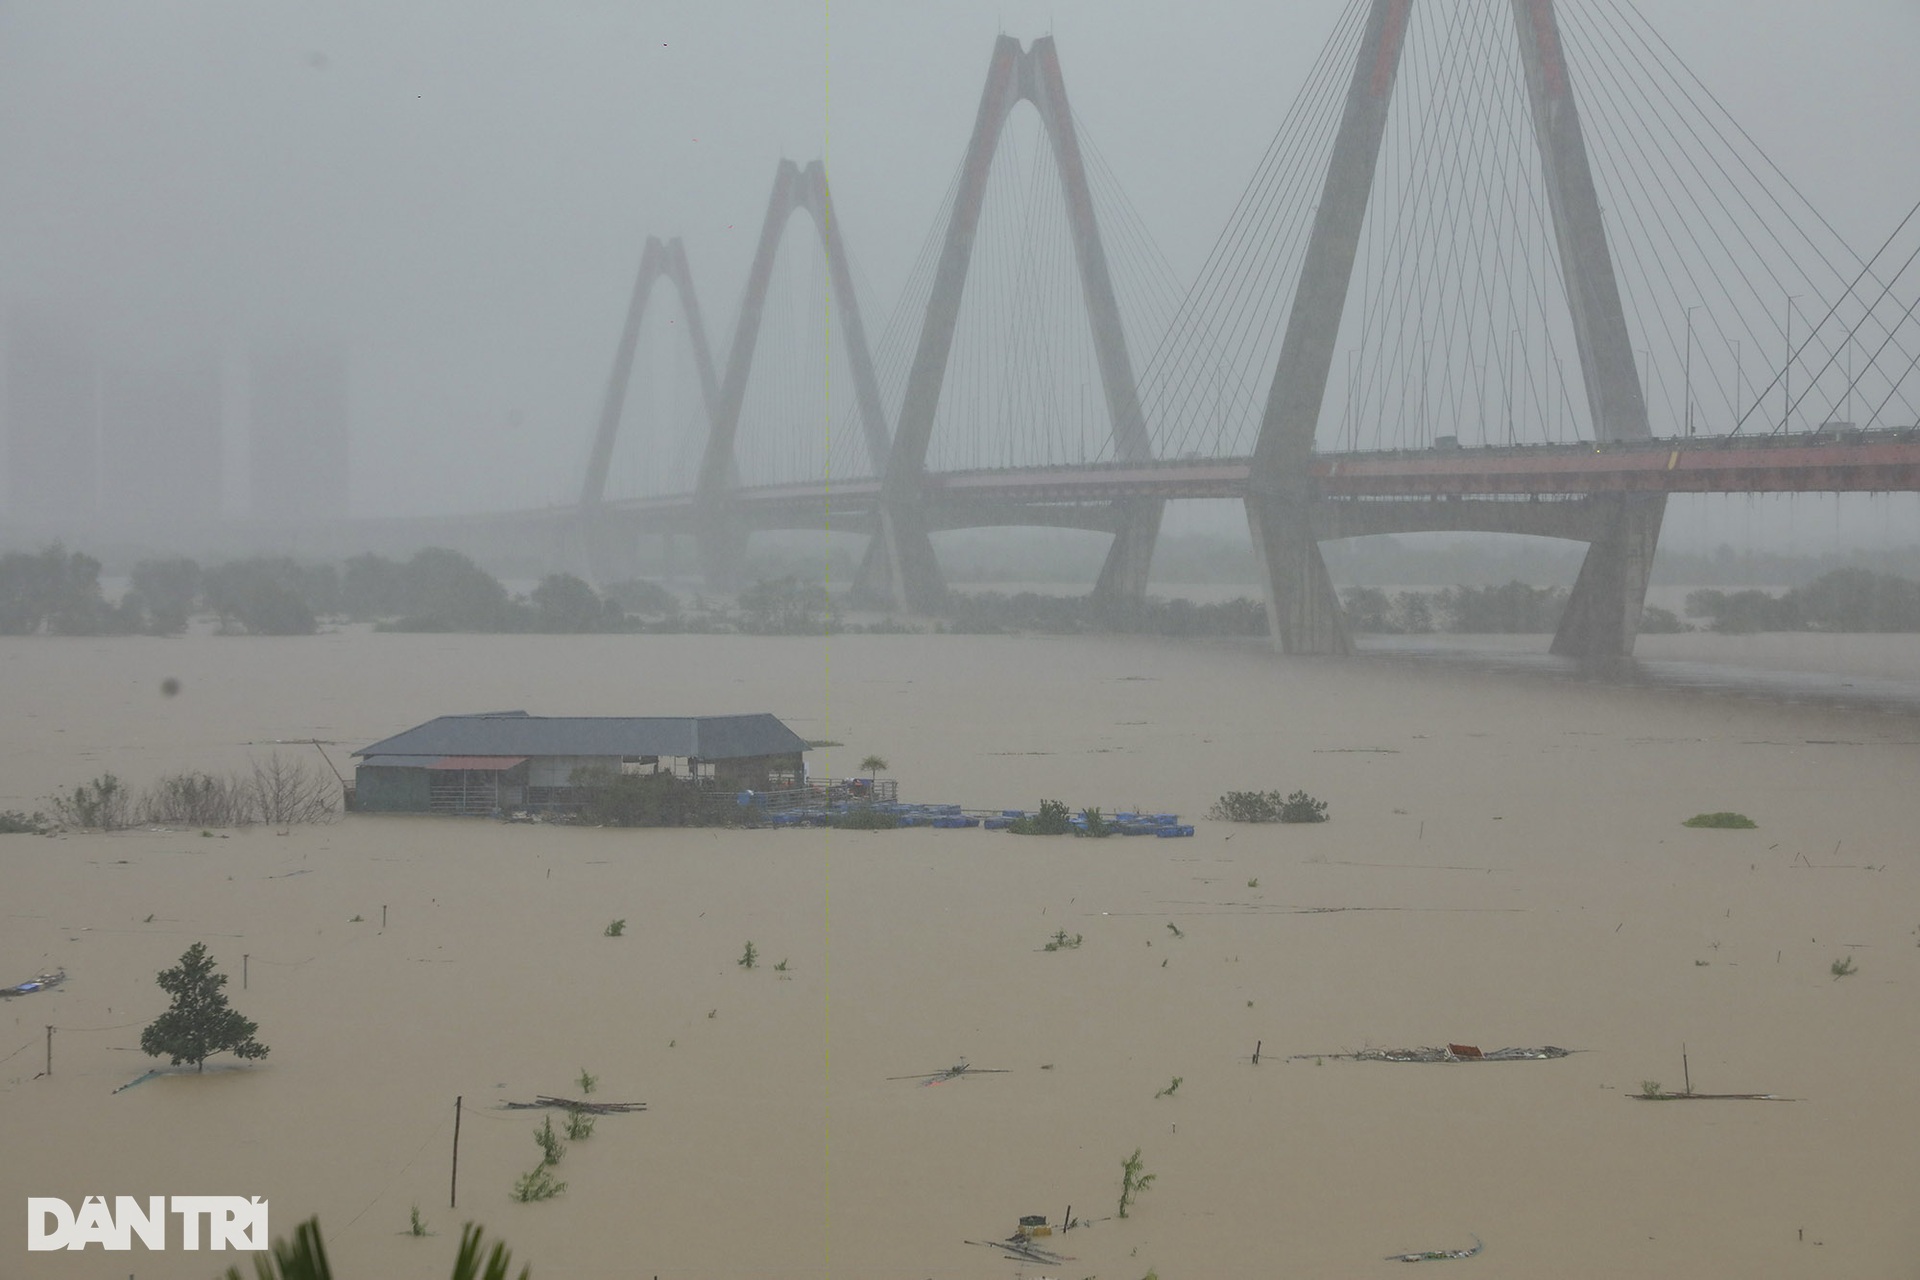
column 396, row 762
column 479, row 764
column 519, row 734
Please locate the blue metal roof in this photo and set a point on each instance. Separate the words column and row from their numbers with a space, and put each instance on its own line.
column 515, row 733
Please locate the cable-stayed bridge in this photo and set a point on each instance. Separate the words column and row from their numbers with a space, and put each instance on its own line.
column 1506, row 266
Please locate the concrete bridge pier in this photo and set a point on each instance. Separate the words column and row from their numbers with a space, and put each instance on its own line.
column 1303, row 610
column 720, row 545
column 1123, row 576
column 599, row 549
column 1603, row 613
column 900, row 570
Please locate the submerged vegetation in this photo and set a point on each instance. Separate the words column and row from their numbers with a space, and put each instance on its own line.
column 1053, row 819
column 1722, row 821
column 1267, row 806
column 275, row 792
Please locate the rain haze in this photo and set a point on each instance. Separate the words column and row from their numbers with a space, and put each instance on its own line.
column 458, row 193
column 1276, row 638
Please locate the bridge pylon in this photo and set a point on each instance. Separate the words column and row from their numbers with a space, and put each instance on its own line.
column 1603, row 613
column 603, row 549
column 904, row 568
column 722, row 537
column 1302, row 606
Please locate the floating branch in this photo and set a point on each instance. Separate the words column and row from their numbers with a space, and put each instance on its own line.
column 1439, row 1255
column 954, row 1072
column 1451, row 1053
column 569, row 1104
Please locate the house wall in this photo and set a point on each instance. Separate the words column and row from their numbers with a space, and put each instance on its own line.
column 390, row 790
column 751, row 771
column 557, row 771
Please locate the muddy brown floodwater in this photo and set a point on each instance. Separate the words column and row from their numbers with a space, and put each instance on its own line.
column 1505, row 866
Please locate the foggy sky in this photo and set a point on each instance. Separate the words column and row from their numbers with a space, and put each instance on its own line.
column 460, row 189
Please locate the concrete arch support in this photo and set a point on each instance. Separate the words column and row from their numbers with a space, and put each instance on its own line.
column 1302, row 609
column 906, row 570
column 795, row 190
column 1603, row 613
column 600, row 544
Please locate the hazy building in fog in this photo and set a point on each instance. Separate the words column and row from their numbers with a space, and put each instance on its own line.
column 297, row 431
column 161, row 444
column 52, row 416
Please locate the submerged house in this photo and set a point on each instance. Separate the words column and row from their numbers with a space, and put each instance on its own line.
column 508, row 760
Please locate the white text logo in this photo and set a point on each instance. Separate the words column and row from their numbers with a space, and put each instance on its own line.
column 232, row 1222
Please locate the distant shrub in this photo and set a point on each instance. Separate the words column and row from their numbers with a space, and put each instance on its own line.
column 609, row 798
column 100, row 805
column 644, row 597
column 1301, row 807
column 15, row 823
column 193, row 800
column 1722, row 821
column 1247, row 806
column 1655, row 621
column 1053, row 819
column 864, row 818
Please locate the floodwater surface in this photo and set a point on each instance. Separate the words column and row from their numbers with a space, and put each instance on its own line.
column 1505, row 866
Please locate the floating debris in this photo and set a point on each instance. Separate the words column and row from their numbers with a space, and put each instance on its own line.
column 41, row 983
column 1709, row 1097
column 1025, row 1250
column 570, row 1104
column 954, row 1072
column 1439, row 1255
column 1451, row 1053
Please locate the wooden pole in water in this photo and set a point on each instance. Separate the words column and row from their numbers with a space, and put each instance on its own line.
column 1685, row 1072
column 383, row 915
column 453, row 1192
column 1256, row 1051
column 243, row 970
column 49, row 1050
column 1066, row 1220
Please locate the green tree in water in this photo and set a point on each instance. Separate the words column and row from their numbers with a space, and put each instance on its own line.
column 199, row 1024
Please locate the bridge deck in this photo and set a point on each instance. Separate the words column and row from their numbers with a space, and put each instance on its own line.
column 1860, row 462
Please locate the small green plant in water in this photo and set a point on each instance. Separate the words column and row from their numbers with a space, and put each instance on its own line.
column 1132, row 1181
column 579, row 1124
column 1843, row 967
column 1054, row 819
column 1722, row 821
column 781, row 967
column 358, row 919
column 1651, row 1089
column 1096, row 824
column 1254, row 883
column 1062, row 941
column 749, row 957
column 551, row 1147
column 615, row 928
column 587, row 1081
column 416, row 1225
column 538, row 1184
column 865, row 818
column 1171, row 1089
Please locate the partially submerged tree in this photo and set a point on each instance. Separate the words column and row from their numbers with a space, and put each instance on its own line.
column 199, row 1024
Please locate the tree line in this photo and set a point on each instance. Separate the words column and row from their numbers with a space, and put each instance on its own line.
column 55, row 591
